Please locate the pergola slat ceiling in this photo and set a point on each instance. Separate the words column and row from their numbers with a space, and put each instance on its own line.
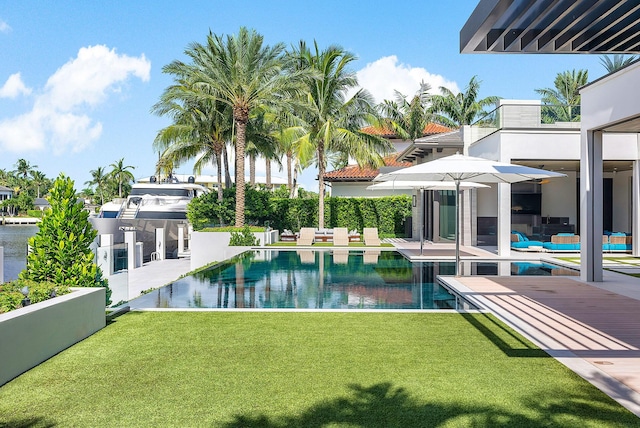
column 553, row 26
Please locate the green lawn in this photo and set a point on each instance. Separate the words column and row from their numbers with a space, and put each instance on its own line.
column 258, row 369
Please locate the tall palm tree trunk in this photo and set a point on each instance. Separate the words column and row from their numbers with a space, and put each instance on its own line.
column 289, row 177
column 267, row 173
column 219, row 166
column 241, row 116
column 321, row 170
column 252, row 170
column 227, row 174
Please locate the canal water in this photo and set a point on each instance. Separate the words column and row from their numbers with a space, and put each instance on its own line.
column 14, row 241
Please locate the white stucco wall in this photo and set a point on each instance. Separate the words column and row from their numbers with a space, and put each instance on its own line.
column 559, row 197
column 621, row 201
column 359, row 190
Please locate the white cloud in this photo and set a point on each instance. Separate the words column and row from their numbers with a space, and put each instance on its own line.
column 59, row 117
column 13, row 87
column 4, row 27
column 384, row 76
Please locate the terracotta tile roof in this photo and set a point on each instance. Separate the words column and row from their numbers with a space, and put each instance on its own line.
column 430, row 129
column 355, row 173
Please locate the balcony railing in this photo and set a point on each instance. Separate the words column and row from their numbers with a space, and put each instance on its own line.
column 526, row 116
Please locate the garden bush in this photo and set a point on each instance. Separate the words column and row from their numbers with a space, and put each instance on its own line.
column 60, row 250
column 11, row 293
column 243, row 238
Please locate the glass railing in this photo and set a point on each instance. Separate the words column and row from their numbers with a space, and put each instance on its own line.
column 526, row 116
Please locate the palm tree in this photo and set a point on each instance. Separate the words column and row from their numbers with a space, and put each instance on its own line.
column 333, row 123
column 24, row 168
column 99, row 179
column 464, row 108
column 200, row 128
column 408, row 118
column 39, row 180
column 562, row 102
column 261, row 142
column 616, row 62
column 121, row 174
column 244, row 74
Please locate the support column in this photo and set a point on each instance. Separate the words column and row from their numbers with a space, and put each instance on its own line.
column 130, row 243
column 105, row 254
column 504, row 219
column 160, row 243
column 181, row 240
column 467, row 218
column 635, row 208
column 1, row 265
column 591, row 207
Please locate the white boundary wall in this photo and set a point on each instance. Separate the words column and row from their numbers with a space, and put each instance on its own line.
column 33, row 334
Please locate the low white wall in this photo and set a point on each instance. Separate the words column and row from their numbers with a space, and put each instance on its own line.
column 31, row 335
column 207, row 247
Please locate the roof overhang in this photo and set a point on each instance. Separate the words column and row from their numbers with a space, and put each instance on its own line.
column 553, row 26
column 426, row 145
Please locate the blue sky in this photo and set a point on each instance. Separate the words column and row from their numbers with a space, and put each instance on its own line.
column 78, row 78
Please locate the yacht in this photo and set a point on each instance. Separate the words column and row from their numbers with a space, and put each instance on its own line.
column 154, row 201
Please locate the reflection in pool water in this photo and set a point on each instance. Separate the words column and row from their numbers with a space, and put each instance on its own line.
column 307, row 279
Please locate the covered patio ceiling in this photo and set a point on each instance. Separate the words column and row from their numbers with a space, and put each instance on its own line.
column 574, row 165
column 553, row 26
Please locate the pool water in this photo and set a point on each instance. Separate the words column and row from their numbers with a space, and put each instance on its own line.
column 307, row 279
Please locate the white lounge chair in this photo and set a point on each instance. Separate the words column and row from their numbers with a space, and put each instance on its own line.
column 307, row 256
column 341, row 256
column 306, row 237
column 340, row 237
column 370, row 235
column 370, row 257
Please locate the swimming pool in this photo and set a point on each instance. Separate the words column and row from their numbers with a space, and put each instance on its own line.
column 307, row 279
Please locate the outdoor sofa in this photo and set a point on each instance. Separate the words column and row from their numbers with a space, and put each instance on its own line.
column 563, row 242
column 520, row 242
column 617, row 242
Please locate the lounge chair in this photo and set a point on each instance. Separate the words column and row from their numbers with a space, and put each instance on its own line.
column 370, row 257
column 307, row 256
column 340, row 236
column 341, row 256
column 306, row 237
column 370, row 235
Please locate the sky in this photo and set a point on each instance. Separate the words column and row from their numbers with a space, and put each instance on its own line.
column 78, row 78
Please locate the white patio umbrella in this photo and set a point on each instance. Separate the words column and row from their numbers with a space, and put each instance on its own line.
column 459, row 168
column 422, row 185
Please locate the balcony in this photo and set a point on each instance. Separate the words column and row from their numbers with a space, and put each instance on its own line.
column 526, row 115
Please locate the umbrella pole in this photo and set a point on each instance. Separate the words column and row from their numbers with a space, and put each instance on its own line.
column 421, row 211
column 457, row 227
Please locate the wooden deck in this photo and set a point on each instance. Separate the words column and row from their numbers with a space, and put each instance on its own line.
column 593, row 331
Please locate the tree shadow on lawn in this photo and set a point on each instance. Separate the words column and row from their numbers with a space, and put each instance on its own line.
column 507, row 340
column 389, row 406
column 27, row 423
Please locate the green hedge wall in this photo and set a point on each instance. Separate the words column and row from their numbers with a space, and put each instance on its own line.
column 387, row 213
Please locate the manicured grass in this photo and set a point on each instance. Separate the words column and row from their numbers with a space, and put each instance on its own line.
column 305, row 370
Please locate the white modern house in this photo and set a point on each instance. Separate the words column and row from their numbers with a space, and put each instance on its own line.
column 609, row 105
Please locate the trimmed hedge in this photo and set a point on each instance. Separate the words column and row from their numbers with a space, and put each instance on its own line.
column 11, row 295
column 388, row 213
